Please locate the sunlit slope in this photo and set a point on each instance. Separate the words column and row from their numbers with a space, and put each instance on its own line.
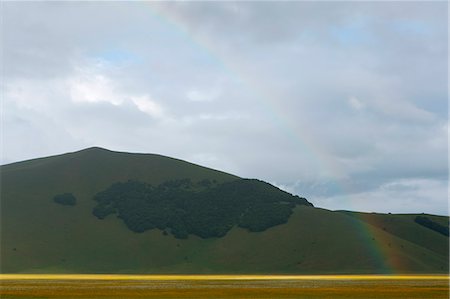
column 40, row 236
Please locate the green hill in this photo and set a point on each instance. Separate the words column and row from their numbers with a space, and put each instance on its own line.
column 161, row 215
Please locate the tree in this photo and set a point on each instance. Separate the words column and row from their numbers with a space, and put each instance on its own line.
column 66, row 199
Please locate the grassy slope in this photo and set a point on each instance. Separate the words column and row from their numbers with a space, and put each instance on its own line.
column 41, row 236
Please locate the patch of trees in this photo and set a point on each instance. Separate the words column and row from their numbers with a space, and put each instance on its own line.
column 206, row 209
column 66, row 199
column 428, row 223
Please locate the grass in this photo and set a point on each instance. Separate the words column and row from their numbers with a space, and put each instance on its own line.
column 39, row 236
column 224, row 286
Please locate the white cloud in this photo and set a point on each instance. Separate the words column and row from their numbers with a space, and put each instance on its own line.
column 266, row 96
column 149, row 106
column 196, row 95
column 87, row 85
column 355, row 103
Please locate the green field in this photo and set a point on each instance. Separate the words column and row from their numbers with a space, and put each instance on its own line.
column 40, row 236
column 84, row 287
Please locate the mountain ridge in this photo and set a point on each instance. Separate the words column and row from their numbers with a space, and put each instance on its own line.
column 42, row 236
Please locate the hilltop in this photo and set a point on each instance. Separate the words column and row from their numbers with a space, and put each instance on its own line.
column 99, row 211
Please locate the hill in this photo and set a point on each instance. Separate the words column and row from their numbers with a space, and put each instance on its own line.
column 93, row 211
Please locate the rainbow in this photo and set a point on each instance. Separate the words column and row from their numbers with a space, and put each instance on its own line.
column 373, row 238
column 277, row 113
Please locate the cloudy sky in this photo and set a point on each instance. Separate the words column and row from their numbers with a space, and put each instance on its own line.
column 344, row 103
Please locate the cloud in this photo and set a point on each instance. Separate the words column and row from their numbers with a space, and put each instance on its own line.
column 196, row 95
column 355, row 103
column 90, row 86
column 402, row 196
column 149, row 106
column 330, row 100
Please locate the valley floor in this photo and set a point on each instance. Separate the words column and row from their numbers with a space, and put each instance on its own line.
column 223, row 286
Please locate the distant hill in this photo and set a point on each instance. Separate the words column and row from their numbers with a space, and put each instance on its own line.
column 99, row 211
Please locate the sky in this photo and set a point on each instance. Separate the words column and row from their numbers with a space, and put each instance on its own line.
column 344, row 103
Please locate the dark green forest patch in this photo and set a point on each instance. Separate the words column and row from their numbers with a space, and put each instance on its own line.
column 66, row 199
column 428, row 223
column 206, row 209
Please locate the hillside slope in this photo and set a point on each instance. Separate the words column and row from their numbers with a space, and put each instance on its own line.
column 39, row 235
